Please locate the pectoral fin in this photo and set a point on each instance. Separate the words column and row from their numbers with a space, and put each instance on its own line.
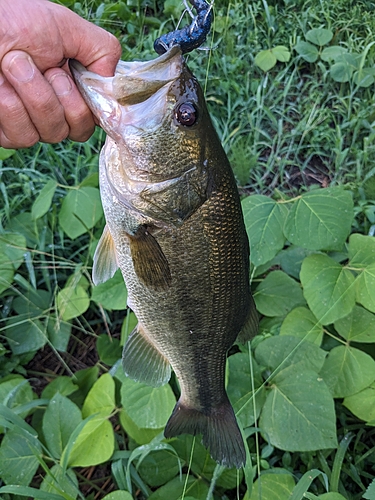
column 105, row 260
column 150, row 263
column 143, row 362
column 250, row 328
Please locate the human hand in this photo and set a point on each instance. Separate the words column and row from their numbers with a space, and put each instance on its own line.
column 38, row 98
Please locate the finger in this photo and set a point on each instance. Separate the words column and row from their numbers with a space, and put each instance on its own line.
column 37, row 96
column 77, row 115
column 13, row 119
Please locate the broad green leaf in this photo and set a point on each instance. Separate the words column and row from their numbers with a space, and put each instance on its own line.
column 331, row 53
column 58, row 333
column 140, row 435
column 343, row 69
column 6, row 153
column 370, row 492
column 43, row 201
column 15, row 391
column 24, row 224
column 80, row 211
column 281, row 52
column 101, row 398
column 60, row 419
column 18, row 458
column 331, row 496
column 299, row 413
column 84, row 379
column 282, row 351
column 159, row 467
column 278, row 294
column 328, row 288
column 118, row 495
column 273, row 487
column 358, row 326
column 265, row 60
column 244, row 375
column 307, row 51
column 196, row 488
column 32, row 302
column 149, row 407
column 347, row 370
column 361, row 251
column 365, row 286
column 13, row 246
column 25, row 335
column 94, row 445
column 6, row 272
column 72, row 302
column 264, row 221
column 62, row 384
column 112, row 294
column 109, row 349
column 59, row 483
column 362, row 404
column 364, row 77
column 319, row 36
column 320, row 219
column 291, row 260
column 301, row 323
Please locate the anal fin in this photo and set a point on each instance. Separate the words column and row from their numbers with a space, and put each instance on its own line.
column 150, row 263
column 105, row 259
column 143, row 362
column 250, row 328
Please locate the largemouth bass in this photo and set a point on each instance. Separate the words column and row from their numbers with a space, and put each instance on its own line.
column 175, row 228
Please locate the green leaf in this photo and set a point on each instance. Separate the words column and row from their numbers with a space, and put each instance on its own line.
column 149, row 407
column 58, row 333
column 358, row 326
column 26, row 491
column 32, row 302
column 43, row 201
column 118, row 495
column 347, row 370
column 365, row 286
column 320, row 219
column 72, row 302
column 275, row 486
column 362, row 404
column 101, row 398
column 94, row 445
column 280, row 352
column 364, row 77
column 265, row 60
column 344, row 68
column 281, row 52
column 370, row 492
column 112, row 294
column 6, row 153
column 332, row 496
column 158, row 468
column 319, row 36
column 196, row 488
column 109, row 349
column 307, row 51
column 13, row 246
column 291, row 260
column 328, row 288
column 303, row 485
column 59, row 483
column 264, row 221
column 241, row 382
column 15, row 391
column 18, row 458
column 301, row 323
column 62, row 384
column 331, row 53
column 80, row 211
column 60, row 419
column 299, row 413
column 140, row 435
column 25, row 335
column 278, row 294
column 361, row 251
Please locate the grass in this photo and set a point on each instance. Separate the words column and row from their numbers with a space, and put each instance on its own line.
column 283, row 131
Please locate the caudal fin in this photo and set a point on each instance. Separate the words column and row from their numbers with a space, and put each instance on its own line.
column 219, row 429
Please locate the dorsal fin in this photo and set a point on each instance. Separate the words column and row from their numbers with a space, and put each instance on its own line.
column 105, row 259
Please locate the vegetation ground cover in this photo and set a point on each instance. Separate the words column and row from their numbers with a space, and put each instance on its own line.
column 290, row 86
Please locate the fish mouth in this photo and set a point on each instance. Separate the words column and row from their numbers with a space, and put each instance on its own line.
column 116, row 100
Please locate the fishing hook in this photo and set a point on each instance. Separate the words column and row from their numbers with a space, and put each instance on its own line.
column 192, row 36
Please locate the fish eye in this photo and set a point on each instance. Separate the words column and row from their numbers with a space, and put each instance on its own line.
column 186, row 114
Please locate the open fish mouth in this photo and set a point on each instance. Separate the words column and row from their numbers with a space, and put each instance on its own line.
column 133, row 84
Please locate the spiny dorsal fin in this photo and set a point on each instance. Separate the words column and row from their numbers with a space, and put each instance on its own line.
column 250, row 328
column 143, row 362
column 105, row 260
column 150, row 263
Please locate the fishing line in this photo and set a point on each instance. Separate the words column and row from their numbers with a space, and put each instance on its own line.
column 189, row 468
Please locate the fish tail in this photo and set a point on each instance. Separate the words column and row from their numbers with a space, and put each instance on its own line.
column 219, row 429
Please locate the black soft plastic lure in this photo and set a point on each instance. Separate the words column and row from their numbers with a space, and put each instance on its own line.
column 190, row 37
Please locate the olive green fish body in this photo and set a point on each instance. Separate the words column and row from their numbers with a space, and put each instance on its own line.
column 175, row 228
